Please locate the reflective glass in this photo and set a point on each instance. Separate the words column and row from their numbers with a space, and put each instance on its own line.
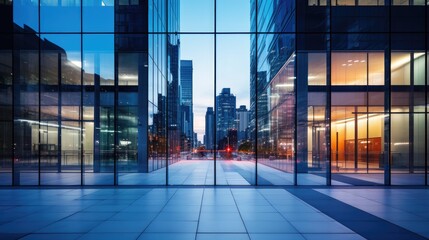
column 60, row 16
column 235, row 144
column 26, row 110
column 26, row 15
column 228, row 11
column 196, row 16
column 6, row 118
column 98, row 15
column 191, row 114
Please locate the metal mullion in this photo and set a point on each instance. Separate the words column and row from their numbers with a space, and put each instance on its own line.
column 214, row 96
column 39, row 98
column 426, row 98
column 81, row 122
column 166, row 90
column 295, row 132
column 328, row 102
column 256, row 94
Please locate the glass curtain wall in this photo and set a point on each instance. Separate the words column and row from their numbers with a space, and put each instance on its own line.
column 213, row 92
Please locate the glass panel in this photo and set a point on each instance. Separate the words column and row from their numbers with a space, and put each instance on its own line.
column 196, row 16
column 316, row 69
column 233, row 16
column 357, row 138
column 400, row 68
column 6, row 118
column 191, row 119
column 26, row 111
column 275, row 16
column 235, row 161
column 98, row 111
column 419, row 68
column 375, row 68
column 98, row 59
column 409, row 2
column 98, row 15
column 316, row 2
column 359, row 2
column 60, row 16
column 349, row 68
column 60, row 141
column 26, row 15
column 275, row 83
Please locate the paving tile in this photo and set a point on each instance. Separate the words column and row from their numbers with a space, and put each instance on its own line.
column 37, row 236
column 110, row 236
column 121, row 227
column 213, row 226
column 222, row 236
column 320, row 227
column 70, row 227
column 269, row 227
column 265, row 236
column 167, row 236
column 337, row 236
column 172, row 227
column 23, row 226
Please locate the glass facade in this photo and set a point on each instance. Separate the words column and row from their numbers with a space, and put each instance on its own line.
column 133, row 92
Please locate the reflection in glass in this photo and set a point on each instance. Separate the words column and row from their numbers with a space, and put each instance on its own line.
column 98, row 15
column 60, row 16
column 26, row 15
column 235, row 145
column 6, row 118
column 191, row 117
column 26, row 111
column 196, row 16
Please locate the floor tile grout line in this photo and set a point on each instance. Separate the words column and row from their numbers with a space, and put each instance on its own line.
column 80, row 211
column 199, row 215
column 158, row 212
column 266, row 199
column 344, row 223
column 371, row 200
column 239, row 212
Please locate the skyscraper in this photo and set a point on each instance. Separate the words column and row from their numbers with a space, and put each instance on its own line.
column 242, row 119
column 225, row 113
column 209, row 132
column 187, row 114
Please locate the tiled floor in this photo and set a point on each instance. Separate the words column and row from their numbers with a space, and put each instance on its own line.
column 213, row 213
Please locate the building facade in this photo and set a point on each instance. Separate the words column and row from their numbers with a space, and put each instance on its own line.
column 90, row 92
column 343, row 90
column 84, row 90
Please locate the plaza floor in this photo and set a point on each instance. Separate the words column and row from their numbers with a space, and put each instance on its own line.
column 256, row 213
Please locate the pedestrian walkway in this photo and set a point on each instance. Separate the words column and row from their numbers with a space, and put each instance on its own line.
column 214, row 213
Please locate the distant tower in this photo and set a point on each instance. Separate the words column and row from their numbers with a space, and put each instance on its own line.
column 243, row 117
column 209, row 134
column 225, row 114
column 187, row 113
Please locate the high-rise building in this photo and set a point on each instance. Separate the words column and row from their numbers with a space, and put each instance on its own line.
column 187, row 114
column 242, row 120
column 225, row 113
column 209, row 130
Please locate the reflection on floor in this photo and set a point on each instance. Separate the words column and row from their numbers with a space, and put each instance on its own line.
column 203, row 213
column 201, row 172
